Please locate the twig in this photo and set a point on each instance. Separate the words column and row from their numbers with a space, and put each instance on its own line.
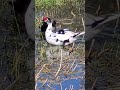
column 60, row 86
column 98, row 9
column 60, row 65
column 16, row 20
column 83, row 23
column 3, row 81
column 74, row 67
column 71, row 66
column 91, row 48
column 44, row 82
column 93, row 84
column 37, row 76
column 17, row 56
column 73, row 14
column 84, row 28
column 102, row 51
column 8, row 88
column 118, row 6
column 117, row 22
column 36, row 86
column 117, row 50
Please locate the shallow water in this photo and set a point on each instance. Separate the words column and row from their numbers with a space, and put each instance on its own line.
column 56, row 67
column 72, row 66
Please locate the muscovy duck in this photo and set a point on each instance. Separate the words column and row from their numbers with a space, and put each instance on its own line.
column 60, row 37
column 93, row 24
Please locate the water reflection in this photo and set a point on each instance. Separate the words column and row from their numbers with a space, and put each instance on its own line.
column 74, row 84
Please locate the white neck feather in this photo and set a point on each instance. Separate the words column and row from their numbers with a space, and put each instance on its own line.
column 49, row 30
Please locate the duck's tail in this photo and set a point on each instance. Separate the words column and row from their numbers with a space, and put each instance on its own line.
column 79, row 34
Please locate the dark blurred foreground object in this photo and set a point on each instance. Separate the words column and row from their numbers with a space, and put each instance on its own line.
column 24, row 11
column 93, row 23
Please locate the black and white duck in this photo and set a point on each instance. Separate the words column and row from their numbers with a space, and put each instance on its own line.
column 61, row 36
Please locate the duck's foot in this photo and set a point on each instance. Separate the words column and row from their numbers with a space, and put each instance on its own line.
column 70, row 51
column 69, row 48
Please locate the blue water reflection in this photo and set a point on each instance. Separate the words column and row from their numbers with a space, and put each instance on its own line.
column 76, row 84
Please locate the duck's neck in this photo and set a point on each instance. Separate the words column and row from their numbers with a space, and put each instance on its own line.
column 49, row 30
column 44, row 27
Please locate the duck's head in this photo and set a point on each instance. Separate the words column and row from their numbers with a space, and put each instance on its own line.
column 46, row 19
column 48, row 23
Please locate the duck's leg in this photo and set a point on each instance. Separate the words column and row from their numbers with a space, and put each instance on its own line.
column 71, row 49
column 63, row 46
column 64, row 42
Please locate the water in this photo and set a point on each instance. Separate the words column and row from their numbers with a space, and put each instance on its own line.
column 75, row 84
